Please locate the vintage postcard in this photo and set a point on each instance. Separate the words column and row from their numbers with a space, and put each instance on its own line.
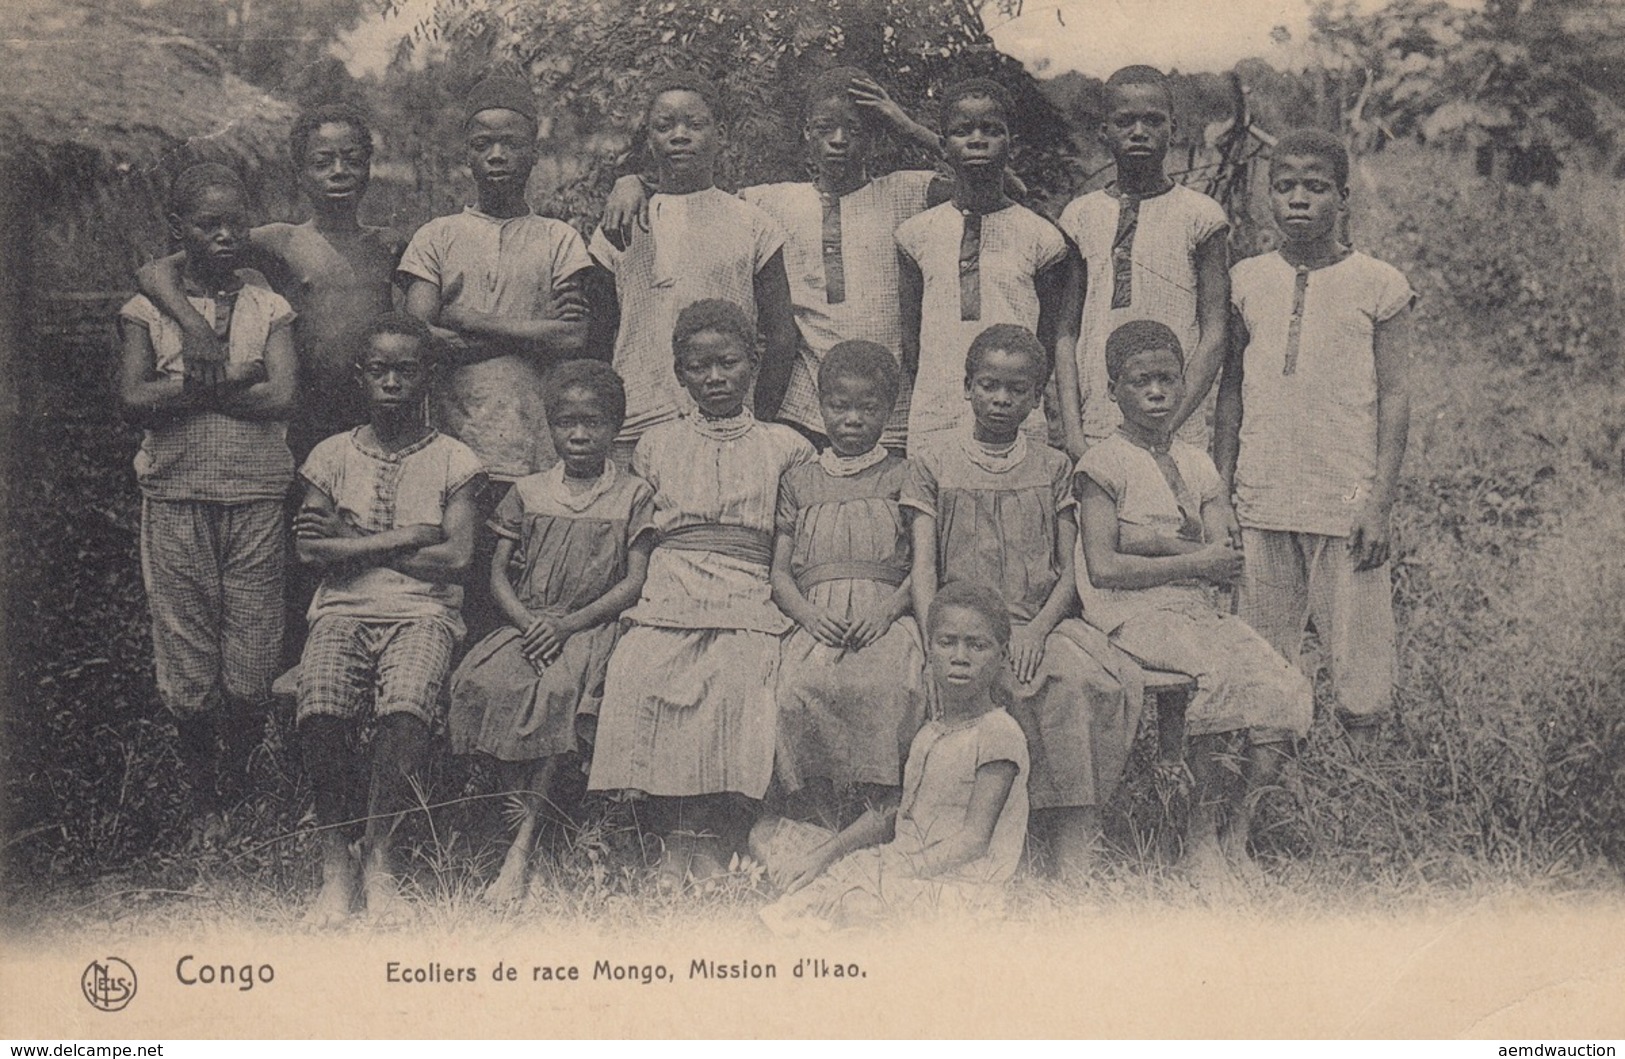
column 920, row 518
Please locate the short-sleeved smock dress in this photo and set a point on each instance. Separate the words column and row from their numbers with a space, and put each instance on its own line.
column 570, row 549
column 688, row 703
column 997, row 518
column 848, row 716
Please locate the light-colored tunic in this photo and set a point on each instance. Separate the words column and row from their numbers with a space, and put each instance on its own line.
column 511, row 266
column 1016, row 245
column 848, row 716
column 570, row 550
column 1241, row 681
column 863, row 303
column 1308, row 457
column 207, row 455
column 705, row 244
column 997, row 522
column 377, row 490
column 1159, row 283
column 888, row 880
column 688, row 697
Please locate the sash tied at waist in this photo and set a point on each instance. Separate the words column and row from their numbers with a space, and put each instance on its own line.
column 851, row 570
column 740, row 542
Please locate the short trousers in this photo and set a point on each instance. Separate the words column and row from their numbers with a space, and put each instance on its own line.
column 391, row 665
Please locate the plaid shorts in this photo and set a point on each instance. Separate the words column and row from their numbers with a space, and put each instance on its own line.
column 393, row 665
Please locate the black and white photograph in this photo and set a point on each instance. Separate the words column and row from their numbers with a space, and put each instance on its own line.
column 813, row 518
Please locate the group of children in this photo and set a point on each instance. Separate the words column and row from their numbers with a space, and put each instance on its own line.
column 748, row 504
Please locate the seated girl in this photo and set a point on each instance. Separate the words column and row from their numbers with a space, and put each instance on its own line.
column 989, row 500
column 689, row 714
column 849, row 682
column 956, row 839
column 1155, row 526
column 572, row 548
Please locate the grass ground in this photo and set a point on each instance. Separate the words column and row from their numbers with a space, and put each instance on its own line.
column 1503, row 767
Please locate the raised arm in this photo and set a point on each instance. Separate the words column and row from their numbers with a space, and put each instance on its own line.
column 202, row 351
column 987, row 798
column 1212, row 313
column 776, row 320
column 1369, row 539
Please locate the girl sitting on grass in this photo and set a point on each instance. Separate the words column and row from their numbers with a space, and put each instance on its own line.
column 957, row 837
column 572, row 549
column 989, row 499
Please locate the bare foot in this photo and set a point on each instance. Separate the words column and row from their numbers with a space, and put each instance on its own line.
column 1205, row 867
column 383, row 894
column 1241, row 863
column 336, row 899
column 509, row 886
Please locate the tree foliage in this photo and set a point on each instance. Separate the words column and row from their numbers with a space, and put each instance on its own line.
column 1516, row 76
column 591, row 60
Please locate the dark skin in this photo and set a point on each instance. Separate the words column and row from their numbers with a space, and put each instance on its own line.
column 396, row 376
column 213, row 231
column 1306, row 197
column 582, row 434
column 976, row 143
column 500, row 149
column 683, row 139
column 333, row 176
column 1137, row 128
column 963, row 658
column 855, row 411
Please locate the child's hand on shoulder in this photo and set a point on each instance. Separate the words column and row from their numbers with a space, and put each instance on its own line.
column 626, row 211
column 1219, row 563
column 1026, row 652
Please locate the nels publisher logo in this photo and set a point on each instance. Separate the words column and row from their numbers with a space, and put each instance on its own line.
column 108, row 984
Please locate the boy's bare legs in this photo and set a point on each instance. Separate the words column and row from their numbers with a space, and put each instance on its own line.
column 531, row 780
column 1074, row 834
column 1204, row 858
column 325, row 742
column 400, row 749
column 1264, row 762
column 200, row 767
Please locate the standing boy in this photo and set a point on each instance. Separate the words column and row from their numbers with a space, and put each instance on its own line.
column 388, row 521
column 335, row 271
column 1152, row 249
column 503, row 286
column 1312, row 419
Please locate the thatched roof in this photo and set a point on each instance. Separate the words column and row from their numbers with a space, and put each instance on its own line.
column 87, row 93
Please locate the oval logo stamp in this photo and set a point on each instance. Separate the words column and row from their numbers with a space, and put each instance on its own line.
column 108, row 984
